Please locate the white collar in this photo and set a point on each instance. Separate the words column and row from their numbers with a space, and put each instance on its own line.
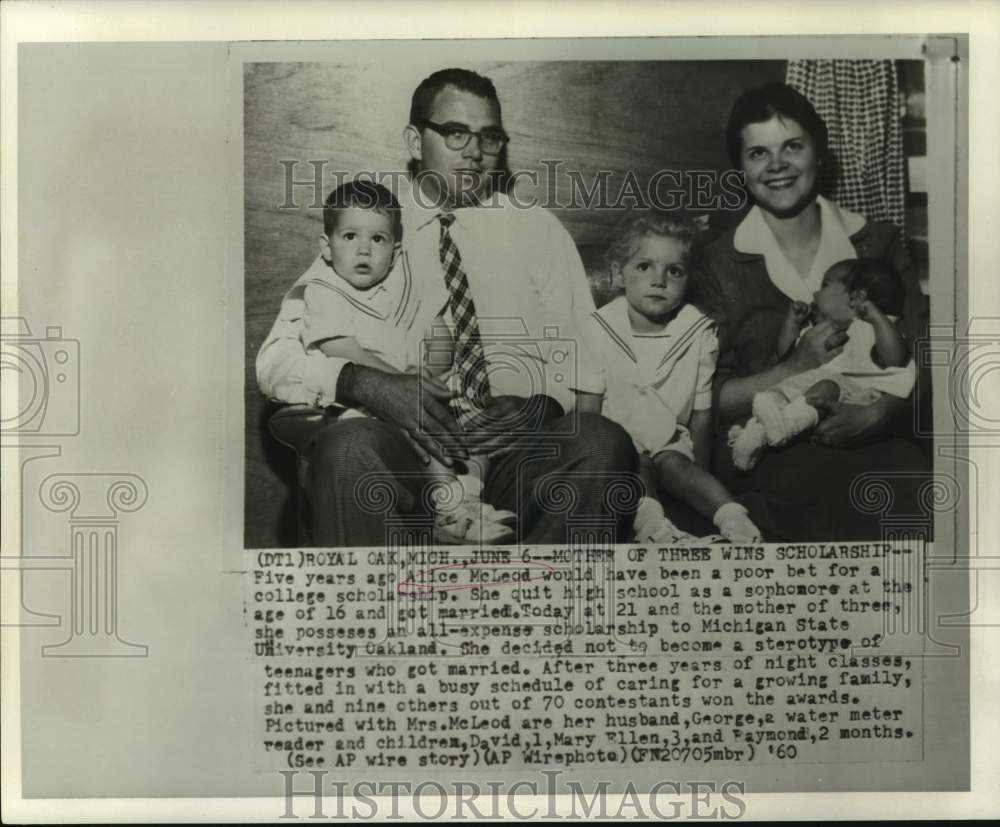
column 837, row 225
column 417, row 213
column 616, row 312
column 323, row 271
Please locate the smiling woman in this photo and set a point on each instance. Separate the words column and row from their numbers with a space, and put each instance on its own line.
column 780, row 161
column 776, row 257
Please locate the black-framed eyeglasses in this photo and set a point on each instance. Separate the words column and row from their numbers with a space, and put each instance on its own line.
column 457, row 136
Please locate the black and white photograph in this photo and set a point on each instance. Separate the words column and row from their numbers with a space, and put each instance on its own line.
column 495, row 417
column 599, row 182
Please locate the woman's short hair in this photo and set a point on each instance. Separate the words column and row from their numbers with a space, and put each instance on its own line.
column 765, row 102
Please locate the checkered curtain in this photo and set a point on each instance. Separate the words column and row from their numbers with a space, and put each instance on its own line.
column 858, row 99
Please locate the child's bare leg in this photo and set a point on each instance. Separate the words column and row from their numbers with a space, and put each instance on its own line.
column 691, row 484
column 650, row 523
column 826, row 390
column 647, row 473
column 681, row 478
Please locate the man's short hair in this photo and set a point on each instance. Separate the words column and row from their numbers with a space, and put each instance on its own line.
column 362, row 195
column 881, row 281
column 767, row 101
column 465, row 80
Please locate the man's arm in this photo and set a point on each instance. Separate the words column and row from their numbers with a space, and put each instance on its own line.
column 430, row 416
column 285, row 372
column 564, row 293
column 416, row 404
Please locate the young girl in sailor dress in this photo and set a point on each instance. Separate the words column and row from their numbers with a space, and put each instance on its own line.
column 648, row 360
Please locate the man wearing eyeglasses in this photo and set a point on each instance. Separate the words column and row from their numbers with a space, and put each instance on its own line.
column 517, row 290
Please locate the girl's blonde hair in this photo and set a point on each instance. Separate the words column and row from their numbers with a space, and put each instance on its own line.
column 677, row 225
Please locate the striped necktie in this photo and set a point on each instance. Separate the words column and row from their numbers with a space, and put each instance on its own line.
column 470, row 383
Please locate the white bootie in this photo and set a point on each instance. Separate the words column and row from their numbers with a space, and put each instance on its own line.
column 783, row 421
column 652, row 526
column 733, row 521
column 748, row 443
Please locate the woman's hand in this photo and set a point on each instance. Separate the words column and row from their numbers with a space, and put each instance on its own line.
column 818, row 345
column 843, row 425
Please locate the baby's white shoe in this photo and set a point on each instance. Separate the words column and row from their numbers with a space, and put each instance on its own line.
column 748, row 443
column 767, row 410
column 800, row 416
column 733, row 520
column 783, row 421
column 652, row 526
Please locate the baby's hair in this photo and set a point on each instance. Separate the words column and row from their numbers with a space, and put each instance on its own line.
column 362, row 195
column 879, row 279
column 678, row 225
